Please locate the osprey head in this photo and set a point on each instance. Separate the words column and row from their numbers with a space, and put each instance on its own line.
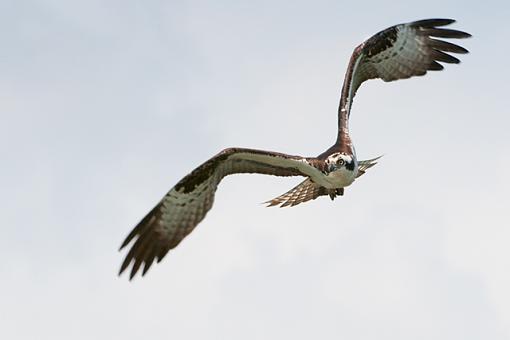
column 340, row 160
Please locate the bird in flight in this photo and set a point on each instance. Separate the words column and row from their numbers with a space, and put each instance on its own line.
column 398, row 52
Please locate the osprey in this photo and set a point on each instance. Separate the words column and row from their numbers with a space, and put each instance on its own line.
column 399, row 52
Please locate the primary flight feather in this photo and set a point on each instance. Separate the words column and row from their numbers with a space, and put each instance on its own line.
column 399, row 52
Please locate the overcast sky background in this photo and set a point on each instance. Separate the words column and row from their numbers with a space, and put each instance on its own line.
column 106, row 104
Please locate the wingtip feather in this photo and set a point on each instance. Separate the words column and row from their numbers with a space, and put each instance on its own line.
column 430, row 23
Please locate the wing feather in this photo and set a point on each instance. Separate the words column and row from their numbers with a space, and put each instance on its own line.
column 431, row 23
column 187, row 203
column 303, row 192
column 443, row 33
column 400, row 52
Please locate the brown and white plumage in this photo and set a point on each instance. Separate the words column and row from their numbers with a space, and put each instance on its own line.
column 187, row 203
column 309, row 190
column 399, row 52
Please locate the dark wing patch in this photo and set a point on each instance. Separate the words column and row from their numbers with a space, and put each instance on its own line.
column 381, row 41
column 183, row 207
column 201, row 174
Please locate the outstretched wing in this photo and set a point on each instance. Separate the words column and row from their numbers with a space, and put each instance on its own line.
column 399, row 52
column 187, row 203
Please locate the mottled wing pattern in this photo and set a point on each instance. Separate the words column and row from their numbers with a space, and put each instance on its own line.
column 186, row 204
column 303, row 192
column 164, row 227
column 402, row 51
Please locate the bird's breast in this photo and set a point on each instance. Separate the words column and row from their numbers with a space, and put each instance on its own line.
column 340, row 178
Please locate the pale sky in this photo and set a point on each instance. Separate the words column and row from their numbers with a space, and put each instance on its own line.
column 106, row 104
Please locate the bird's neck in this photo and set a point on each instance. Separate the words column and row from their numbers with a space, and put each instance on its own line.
column 343, row 138
column 346, row 96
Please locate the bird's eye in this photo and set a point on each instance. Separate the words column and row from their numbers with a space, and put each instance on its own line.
column 340, row 162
